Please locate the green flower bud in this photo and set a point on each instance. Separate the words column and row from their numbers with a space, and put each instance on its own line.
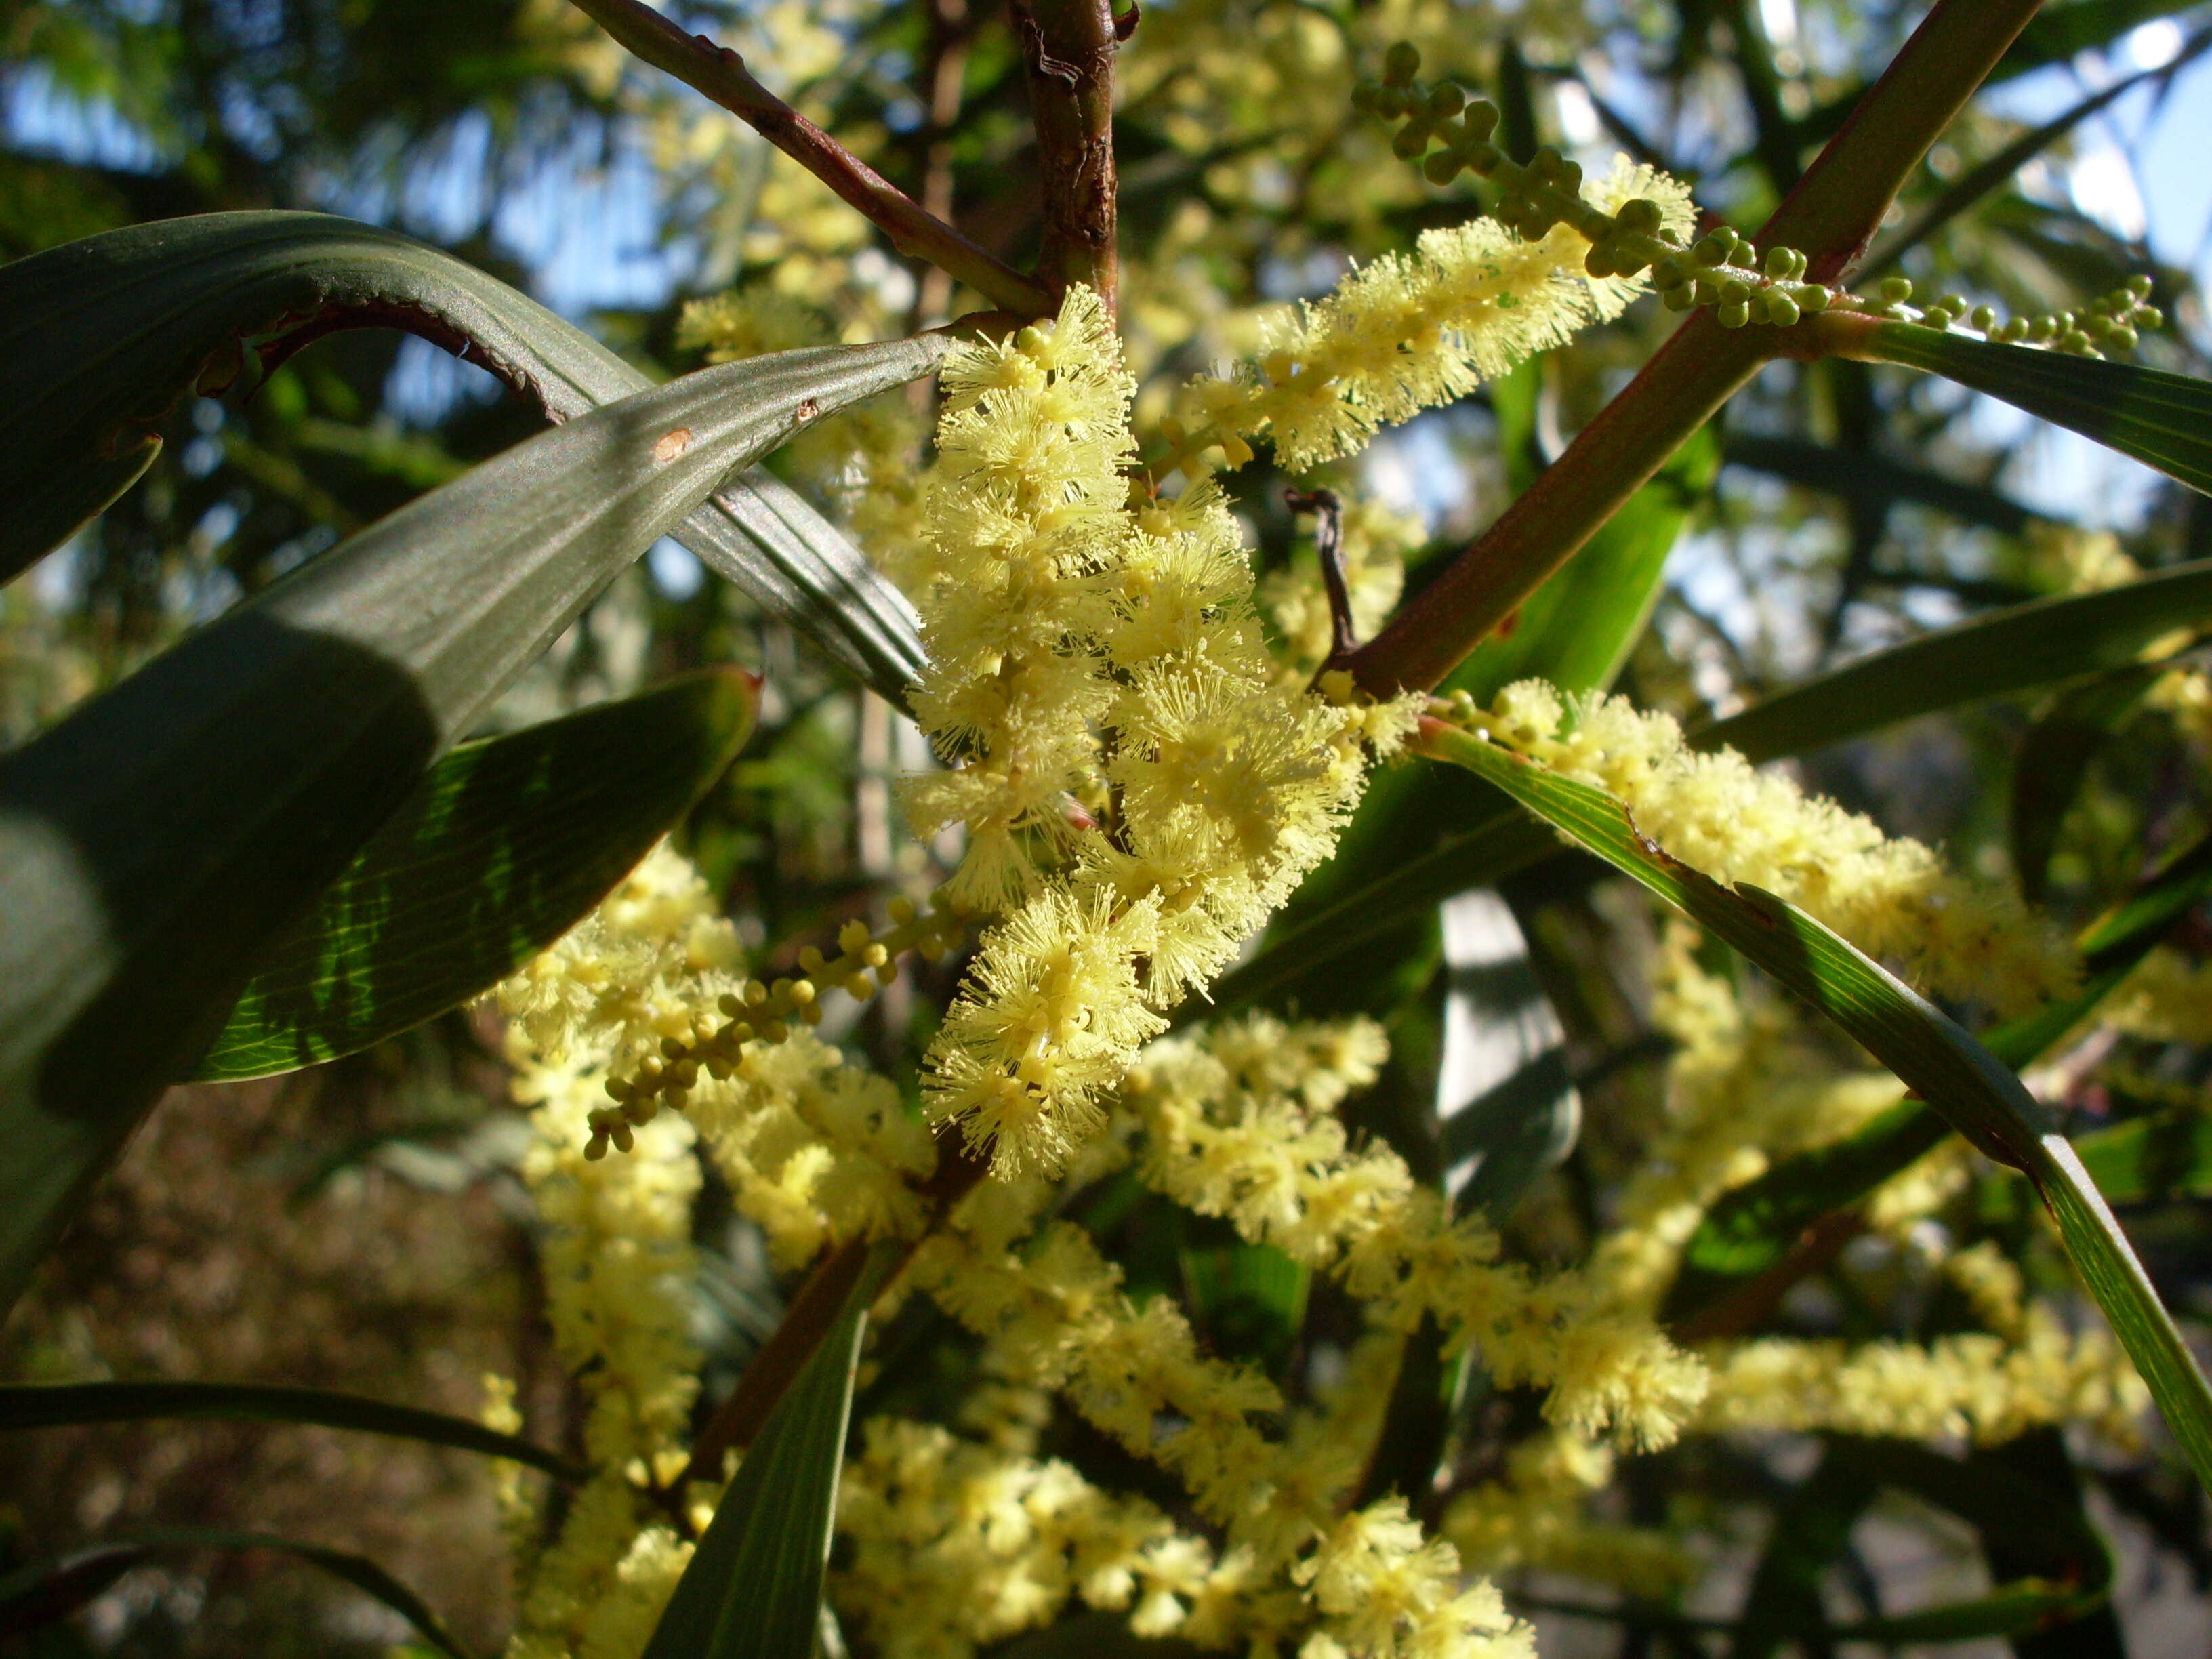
column 1446, row 98
column 1442, row 166
column 1413, row 138
column 1734, row 313
column 2122, row 338
column 1484, row 158
column 1401, row 64
column 1710, row 252
column 1780, row 264
column 2137, row 287
column 1984, row 317
column 1811, row 296
column 1682, row 296
column 1781, row 310
column 1480, row 119
column 1895, row 291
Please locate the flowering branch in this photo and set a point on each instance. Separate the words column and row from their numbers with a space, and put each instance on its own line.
column 1831, row 214
column 1069, row 47
column 815, row 1309
column 721, row 74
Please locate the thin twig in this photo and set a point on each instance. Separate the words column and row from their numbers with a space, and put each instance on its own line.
column 721, row 74
column 1328, row 543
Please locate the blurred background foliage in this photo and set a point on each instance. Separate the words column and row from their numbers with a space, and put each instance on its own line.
column 358, row 1225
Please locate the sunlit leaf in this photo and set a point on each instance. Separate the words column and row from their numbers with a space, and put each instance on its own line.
column 496, row 853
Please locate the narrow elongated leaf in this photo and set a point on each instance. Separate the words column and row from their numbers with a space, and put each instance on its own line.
column 55, row 1406
column 1751, row 1229
column 1973, row 1090
column 753, row 1590
column 48, row 1590
column 2162, row 420
column 502, row 848
column 154, row 842
column 2044, row 642
column 2166, row 1156
column 100, row 338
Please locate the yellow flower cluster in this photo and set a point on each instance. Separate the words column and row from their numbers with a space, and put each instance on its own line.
column 957, row 1544
column 1235, row 1127
column 1978, row 1385
column 1138, row 792
column 1748, row 1084
column 1719, row 814
column 617, row 1262
column 1405, row 334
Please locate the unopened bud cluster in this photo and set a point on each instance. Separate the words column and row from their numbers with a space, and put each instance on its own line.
column 759, row 1012
column 1722, row 269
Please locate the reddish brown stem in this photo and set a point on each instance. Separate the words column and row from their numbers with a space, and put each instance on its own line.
column 721, row 74
column 1068, row 46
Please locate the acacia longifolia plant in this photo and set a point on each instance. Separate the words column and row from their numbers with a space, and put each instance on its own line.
column 1277, row 1061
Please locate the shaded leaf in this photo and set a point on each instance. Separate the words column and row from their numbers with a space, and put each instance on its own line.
column 2162, row 420
column 100, row 338
column 502, row 848
column 156, row 841
column 1973, row 1090
column 45, row 1405
column 2044, row 642
column 753, row 1590
column 48, row 1590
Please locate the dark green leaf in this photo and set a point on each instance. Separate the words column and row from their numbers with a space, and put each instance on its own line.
column 753, row 1590
column 156, row 841
column 51, row 1406
column 500, row 851
column 100, row 338
column 1973, row 1090
column 2045, row 642
column 2162, row 420
column 1246, row 1300
column 47, row 1590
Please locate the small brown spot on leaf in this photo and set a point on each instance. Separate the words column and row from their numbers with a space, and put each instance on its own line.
column 808, row 409
column 672, row 444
